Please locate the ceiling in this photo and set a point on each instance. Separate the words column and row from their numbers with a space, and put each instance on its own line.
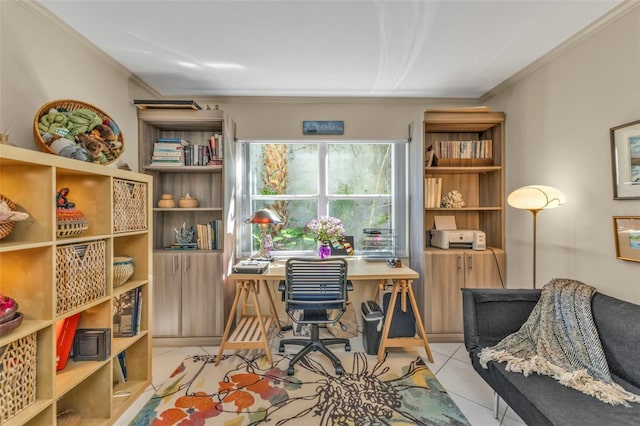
column 362, row 48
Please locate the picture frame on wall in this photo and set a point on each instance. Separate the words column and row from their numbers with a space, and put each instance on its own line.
column 626, row 231
column 625, row 161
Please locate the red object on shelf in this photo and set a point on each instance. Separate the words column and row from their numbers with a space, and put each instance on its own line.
column 65, row 330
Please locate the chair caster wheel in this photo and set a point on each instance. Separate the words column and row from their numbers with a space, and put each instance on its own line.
column 281, row 348
column 339, row 370
column 347, row 347
column 290, row 371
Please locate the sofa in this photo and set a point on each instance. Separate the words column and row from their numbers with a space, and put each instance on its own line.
column 492, row 314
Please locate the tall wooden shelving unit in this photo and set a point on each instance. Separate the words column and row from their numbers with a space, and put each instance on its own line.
column 481, row 183
column 28, row 265
column 189, row 289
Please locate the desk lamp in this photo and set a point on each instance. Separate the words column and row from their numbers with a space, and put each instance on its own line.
column 263, row 218
column 535, row 198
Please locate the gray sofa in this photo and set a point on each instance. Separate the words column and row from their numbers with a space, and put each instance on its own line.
column 492, row 314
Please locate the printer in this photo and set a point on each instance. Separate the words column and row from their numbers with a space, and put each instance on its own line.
column 458, row 238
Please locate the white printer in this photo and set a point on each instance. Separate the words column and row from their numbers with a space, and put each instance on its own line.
column 458, row 238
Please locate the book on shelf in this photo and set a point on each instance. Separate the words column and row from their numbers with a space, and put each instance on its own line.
column 65, row 332
column 121, row 362
column 174, row 141
column 118, row 371
column 209, row 235
column 432, row 192
column 125, row 313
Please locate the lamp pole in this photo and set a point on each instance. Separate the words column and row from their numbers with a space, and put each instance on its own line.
column 535, row 216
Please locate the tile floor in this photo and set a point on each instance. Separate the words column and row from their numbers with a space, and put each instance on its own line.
column 451, row 366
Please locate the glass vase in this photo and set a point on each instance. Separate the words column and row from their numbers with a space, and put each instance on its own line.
column 324, row 249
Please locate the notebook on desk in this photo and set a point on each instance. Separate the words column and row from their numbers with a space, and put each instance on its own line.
column 251, row 267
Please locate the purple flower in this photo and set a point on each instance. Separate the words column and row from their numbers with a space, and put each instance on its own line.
column 326, row 228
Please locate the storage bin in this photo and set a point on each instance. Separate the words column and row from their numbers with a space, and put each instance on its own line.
column 129, row 206
column 373, row 321
column 80, row 274
column 17, row 376
column 403, row 324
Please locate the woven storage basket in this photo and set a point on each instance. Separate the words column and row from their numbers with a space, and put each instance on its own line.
column 70, row 105
column 7, row 227
column 129, row 206
column 122, row 270
column 17, row 376
column 71, row 228
column 80, row 275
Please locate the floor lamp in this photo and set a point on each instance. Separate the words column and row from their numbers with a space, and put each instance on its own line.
column 535, row 198
column 263, row 218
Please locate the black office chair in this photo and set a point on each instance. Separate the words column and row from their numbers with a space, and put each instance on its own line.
column 313, row 286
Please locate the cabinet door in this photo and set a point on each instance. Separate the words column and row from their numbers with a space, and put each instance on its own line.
column 444, row 279
column 167, row 291
column 202, row 294
column 484, row 269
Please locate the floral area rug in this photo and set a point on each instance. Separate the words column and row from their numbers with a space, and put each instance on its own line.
column 247, row 390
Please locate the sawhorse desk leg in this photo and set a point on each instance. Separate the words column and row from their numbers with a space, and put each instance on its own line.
column 404, row 288
column 251, row 331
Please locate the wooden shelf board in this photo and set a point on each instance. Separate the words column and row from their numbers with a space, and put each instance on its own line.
column 121, row 403
column 463, row 209
column 28, row 413
column 22, row 245
column 119, row 344
column 26, row 328
column 195, row 209
column 74, row 373
column 185, row 169
column 461, row 170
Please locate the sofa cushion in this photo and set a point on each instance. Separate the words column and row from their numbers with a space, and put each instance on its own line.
column 617, row 323
column 541, row 400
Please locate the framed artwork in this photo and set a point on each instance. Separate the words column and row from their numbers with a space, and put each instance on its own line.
column 626, row 231
column 625, row 161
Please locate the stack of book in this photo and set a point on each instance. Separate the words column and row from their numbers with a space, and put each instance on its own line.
column 168, row 152
column 432, row 192
column 209, row 154
column 209, row 235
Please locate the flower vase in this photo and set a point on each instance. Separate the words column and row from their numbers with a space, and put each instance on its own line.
column 324, row 249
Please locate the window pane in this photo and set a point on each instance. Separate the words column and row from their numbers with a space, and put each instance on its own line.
column 359, row 214
column 359, row 168
column 284, row 169
column 294, row 214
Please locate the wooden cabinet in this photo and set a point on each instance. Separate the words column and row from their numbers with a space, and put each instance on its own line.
column 191, row 300
column 188, row 285
column 469, row 147
column 447, row 272
column 32, row 271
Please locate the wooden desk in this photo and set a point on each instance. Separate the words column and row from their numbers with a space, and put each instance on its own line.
column 252, row 330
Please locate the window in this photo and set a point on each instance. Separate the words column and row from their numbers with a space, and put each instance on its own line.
column 363, row 183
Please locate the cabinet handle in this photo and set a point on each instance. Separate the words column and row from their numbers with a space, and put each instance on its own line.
column 173, row 263
column 185, row 264
column 459, row 261
column 470, row 262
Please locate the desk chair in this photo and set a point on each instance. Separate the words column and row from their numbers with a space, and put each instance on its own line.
column 313, row 286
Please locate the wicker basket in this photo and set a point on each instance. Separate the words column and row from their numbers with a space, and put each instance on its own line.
column 122, row 270
column 71, row 105
column 129, row 206
column 7, row 227
column 71, row 228
column 80, row 275
column 17, row 376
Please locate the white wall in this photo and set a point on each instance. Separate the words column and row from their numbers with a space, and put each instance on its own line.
column 42, row 61
column 557, row 131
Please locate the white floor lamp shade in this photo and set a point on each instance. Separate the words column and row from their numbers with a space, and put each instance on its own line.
column 535, row 198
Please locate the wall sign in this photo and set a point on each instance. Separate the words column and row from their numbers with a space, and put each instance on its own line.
column 323, row 127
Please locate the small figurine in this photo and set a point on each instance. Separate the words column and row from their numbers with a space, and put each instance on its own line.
column 453, row 199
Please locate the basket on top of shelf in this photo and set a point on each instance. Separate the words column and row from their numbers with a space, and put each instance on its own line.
column 70, row 221
column 7, row 227
column 82, row 131
column 80, row 274
column 17, row 390
column 122, row 270
column 129, row 205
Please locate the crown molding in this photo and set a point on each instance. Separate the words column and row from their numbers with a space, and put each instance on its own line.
column 613, row 15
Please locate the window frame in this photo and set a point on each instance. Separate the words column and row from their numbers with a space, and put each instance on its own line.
column 399, row 195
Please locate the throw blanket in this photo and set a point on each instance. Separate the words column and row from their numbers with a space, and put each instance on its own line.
column 560, row 340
